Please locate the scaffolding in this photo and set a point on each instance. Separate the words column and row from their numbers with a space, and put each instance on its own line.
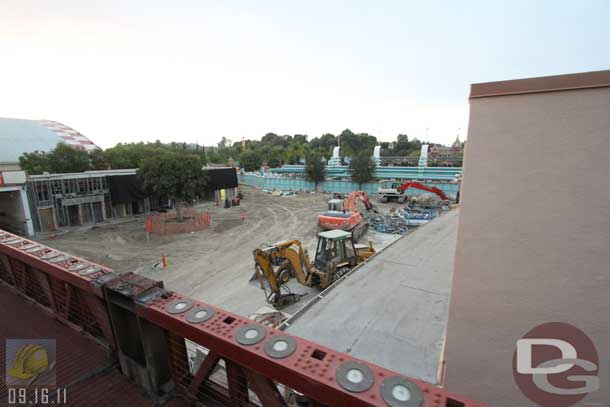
column 62, row 200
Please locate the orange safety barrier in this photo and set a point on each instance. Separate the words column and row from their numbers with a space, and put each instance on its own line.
column 166, row 223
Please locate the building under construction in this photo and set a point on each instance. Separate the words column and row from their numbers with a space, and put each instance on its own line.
column 48, row 202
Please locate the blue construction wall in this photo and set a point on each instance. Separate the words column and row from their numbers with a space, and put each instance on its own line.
column 344, row 187
column 397, row 173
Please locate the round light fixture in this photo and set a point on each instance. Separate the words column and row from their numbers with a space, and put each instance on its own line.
column 179, row 306
column 401, row 392
column 200, row 314
column 280, row 346
column 355, row 376
column 250, row 334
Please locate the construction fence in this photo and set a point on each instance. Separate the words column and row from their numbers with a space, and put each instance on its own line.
column 334, row 186
column 166, row 224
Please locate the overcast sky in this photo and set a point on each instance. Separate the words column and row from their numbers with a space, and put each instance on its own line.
column 200, row 70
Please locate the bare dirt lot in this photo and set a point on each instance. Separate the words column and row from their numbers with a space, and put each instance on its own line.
column 212, row 265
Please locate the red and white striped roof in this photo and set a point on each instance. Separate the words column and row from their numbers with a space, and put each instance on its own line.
column 69, row 135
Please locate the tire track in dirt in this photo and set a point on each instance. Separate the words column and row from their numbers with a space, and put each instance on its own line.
column 213, row 265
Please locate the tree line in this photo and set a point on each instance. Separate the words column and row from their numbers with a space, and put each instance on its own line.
column 276, row 150
column 273, row 150
column 181, row 162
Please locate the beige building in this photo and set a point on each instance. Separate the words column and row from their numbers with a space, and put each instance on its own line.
column 441, row 151
column 534, row 234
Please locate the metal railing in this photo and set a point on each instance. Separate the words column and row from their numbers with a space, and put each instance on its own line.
column 153, row 331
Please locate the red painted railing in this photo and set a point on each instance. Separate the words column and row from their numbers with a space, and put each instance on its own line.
column 214, row 356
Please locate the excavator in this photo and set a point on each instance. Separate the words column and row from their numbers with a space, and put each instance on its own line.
column 344, row 215
column 336, row 254
column 397, row 191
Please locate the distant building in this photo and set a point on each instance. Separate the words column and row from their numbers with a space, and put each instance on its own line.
column 18, row 136
column 223, row 183
column 457, row 145
column 456, row 149
column 15, row 214
column 48, row 202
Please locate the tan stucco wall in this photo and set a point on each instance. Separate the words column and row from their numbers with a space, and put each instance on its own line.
column 534, row 236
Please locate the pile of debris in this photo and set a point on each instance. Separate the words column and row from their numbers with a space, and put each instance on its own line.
column 279, row 192
column 269, row 316
column 389, row 223
column 401, row 221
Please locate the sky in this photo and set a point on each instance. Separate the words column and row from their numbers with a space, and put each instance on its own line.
column 197, row 70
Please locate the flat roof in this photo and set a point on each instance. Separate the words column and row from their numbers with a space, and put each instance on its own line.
column 584, row 80
column 84, row 174
column 393, row 309
column 335, row 234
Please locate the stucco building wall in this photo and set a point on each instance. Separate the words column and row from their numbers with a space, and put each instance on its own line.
column 534, row 235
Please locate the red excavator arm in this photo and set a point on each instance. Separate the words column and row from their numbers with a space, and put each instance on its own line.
column 423, row 187
column 350, row 202
column 349, row 218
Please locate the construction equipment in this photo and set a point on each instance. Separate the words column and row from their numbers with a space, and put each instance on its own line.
column 344, row 214
column 398, row 191
column 336, row 254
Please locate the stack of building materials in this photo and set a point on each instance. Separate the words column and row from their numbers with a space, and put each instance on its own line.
column 401, row 220
column 391, row 222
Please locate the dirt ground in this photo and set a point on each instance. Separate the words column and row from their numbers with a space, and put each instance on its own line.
column 212, row 265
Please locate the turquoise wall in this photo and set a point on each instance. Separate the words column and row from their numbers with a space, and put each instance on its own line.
column 344, row 187
column 411, row 173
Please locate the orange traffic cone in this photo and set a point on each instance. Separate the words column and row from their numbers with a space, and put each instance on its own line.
column 163, row 260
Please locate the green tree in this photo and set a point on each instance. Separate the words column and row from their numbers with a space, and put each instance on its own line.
column 250, row 160
column 98, row 160
column 61, row 159
column 328, row 141
column 177, row 175
column 403, row 144
column 275, row 140
column 35, row 162
column 131, row 155
column 64, row 158
column 314, row 167
column 324, row 144
column 213, row 156
column 296, row 152
column 352, row 144
column 275, row 157
column 348, row 141
column 202, row 156
column 225, row 142
column 300, row 138
column 362, row 168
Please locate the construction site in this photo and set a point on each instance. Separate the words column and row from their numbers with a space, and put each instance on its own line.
column 410, row 290
column 214, row 264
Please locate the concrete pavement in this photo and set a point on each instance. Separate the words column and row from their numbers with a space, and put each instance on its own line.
column 392, row 310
